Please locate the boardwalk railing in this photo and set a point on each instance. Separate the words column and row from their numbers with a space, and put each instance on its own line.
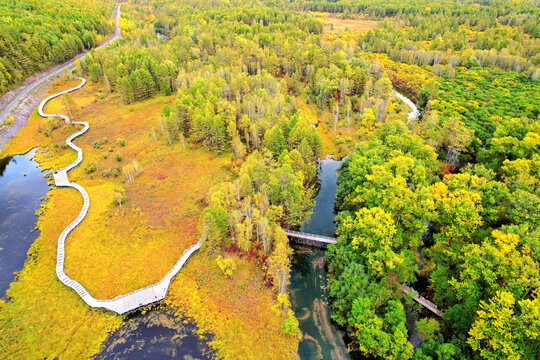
column 123, row 303
column 310, row 239
column 421, row 300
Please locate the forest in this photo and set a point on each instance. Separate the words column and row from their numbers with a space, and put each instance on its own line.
column 491, row 33
column 35, row 34
column 447, row 203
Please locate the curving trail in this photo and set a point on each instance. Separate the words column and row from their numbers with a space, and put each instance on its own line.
column 123, row 303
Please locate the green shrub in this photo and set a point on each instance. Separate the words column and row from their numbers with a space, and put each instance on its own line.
column 118, row 157
column 89, row 168
column 290, row 326
column 121, row 141
column 53, row 123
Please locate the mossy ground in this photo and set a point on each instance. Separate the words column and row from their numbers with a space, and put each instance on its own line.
column 118, row 249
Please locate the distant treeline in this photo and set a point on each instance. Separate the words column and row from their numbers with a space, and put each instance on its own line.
column 38, row 33
column 487, row 33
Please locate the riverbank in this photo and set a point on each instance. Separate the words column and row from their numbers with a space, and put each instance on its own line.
column 322, row 338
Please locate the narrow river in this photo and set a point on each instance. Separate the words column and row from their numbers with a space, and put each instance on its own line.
column 415, row 112
column 309, row 298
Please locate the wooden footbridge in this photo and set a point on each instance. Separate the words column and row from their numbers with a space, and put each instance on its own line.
column 324, row 241
column 310, row 239
column 421, row 300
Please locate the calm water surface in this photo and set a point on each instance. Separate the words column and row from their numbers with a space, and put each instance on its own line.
column 309, row 298
column 156, row 335
column 20, row 198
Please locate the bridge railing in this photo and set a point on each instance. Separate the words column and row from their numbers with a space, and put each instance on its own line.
column 302, row 235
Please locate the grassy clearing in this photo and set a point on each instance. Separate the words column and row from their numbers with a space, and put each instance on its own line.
column 334, row 23
column 118, row 249
column 344, row 140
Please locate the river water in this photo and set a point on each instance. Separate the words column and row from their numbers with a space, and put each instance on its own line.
column 309, row 298
column 415, row 112
column 22, row 187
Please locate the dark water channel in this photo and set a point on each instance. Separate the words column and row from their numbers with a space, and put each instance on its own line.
column 309, row 298
column 156, row 335
column 22, row 186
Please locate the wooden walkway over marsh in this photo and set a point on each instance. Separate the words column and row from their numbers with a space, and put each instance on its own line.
column 124, row 303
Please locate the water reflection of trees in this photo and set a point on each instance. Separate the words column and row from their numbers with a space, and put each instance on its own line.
column 4, row 163
column 301, row 261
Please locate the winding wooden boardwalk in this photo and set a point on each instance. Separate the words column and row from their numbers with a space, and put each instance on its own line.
column 124, row 303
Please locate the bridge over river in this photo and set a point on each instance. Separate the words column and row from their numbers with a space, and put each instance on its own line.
column 310, row 239
column 324, row 241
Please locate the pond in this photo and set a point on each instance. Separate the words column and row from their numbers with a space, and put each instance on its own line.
column 156, row 334
column 23, row 187
column 162, row 36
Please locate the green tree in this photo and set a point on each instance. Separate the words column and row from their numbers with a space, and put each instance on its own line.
column 505, row 329
column 275, row 141
column 381, row 335
column 95, row 72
